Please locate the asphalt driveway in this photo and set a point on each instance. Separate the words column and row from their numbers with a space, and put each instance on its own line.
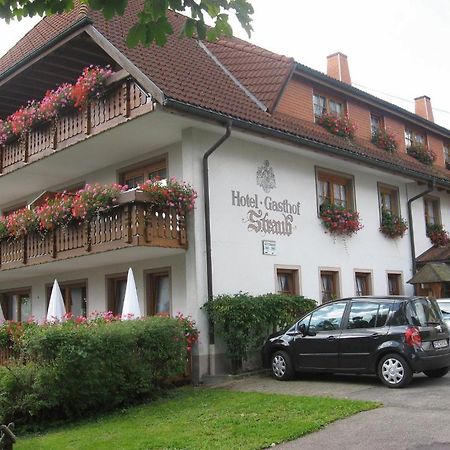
column 417, row 417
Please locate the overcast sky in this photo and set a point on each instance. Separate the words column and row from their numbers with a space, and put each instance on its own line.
column 397, row 50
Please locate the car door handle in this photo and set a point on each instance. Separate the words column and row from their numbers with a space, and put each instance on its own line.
column 331, row 338
column 375, row 335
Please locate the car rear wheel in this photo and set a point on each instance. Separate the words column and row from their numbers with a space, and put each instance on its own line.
column 394, row 371
column 282, row 368
column 437, row 373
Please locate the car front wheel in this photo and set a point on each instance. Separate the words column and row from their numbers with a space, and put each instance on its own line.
column 281, row 365
column 437, row 373
column 394, row 371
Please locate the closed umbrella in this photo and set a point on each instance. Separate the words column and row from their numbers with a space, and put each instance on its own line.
column 2, row 316
column 131, row 309
column 56, row 309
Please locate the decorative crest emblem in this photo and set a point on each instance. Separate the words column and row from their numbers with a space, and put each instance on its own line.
column 265, row 177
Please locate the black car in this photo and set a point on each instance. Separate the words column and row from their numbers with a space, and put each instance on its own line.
column 392, row 337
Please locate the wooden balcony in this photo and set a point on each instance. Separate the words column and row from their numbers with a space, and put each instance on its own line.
column 123, row 100
column 131, row 223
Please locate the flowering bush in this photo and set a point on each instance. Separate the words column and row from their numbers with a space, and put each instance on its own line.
column 190, row 330
column 438, row 235
column 384, row 140
column 340, row 126
column 21, row 222
column 422, row 153
column 88, row 86
column 54, row 212
column 338, row 220
column 175, row 194
column 392, row 225
column 88, row 201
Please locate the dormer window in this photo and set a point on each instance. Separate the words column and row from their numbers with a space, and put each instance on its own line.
column 413, row 138
column 324, row 105
column 447, row 155
column 376, row 123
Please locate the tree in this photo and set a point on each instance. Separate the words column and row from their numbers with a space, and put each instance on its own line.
column 152, row 24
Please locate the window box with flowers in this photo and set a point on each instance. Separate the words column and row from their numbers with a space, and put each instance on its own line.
column 384, row 140
column 339, row 126
column 338, row 220
column 422, row 153
column 392, row 225
column 438, row 235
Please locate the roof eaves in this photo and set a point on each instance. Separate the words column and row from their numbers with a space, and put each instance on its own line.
column 297, row 139
column 48, row 45
column 369, row 97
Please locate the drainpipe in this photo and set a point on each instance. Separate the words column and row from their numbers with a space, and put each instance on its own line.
column 209, row 152
column 411, row 226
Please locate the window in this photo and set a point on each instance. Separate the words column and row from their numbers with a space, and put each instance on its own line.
column 336, row 189
column 16, row 305
column 74, row 296
column 327, row 318
column 367, row 315
column 287, row 281
column 394, row 283
column 323, row 105
column 388, row 199
column 363, row 283
column 376, row 123
column 158, row 293
column 329, row 285
column 447, row 155
column 432, row 211
column 139, row 175
column 116, row 285
column 413, row 138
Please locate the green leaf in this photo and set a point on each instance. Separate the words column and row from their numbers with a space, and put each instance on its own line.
column 136, row 34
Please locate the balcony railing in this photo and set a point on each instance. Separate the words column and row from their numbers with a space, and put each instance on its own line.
column 122, row 101
column 131, row 223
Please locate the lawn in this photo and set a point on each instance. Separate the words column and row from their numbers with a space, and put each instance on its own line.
column 196, row 418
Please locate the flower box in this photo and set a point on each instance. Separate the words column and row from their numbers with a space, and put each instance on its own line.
column 392, row 226
column 339, row 221
column 438, row 235
column 382, row 139
column 422, row 153
column 339, row 126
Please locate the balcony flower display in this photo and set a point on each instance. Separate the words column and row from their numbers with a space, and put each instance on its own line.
column 384, row 140
column 422, row 153
column 438, row 235
column 340, row 126
column 392, row 225
column 66, row 208
column 88, row 86
column 176, row 194
column 339, row 221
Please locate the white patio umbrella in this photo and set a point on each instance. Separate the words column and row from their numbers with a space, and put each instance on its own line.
column 2, row 316
column 131, row 309
column 56, row 309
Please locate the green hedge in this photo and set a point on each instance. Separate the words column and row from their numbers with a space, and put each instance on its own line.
column 243, row 320
column 71, row 371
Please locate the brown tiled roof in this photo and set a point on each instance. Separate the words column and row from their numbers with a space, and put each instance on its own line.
column 186, row 73
column 435, row 253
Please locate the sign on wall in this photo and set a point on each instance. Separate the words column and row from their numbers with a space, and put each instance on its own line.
column 266, row 214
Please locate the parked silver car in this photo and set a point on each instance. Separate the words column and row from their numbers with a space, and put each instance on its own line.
column 444, row 304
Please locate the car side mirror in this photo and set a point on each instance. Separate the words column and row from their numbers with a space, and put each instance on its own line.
column 311, row 331
column 304, row 330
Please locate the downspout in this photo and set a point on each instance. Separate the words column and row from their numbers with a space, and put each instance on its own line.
column 411, row 226
column 208, row 153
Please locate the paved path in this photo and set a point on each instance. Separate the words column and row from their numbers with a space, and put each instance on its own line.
column 417, row 417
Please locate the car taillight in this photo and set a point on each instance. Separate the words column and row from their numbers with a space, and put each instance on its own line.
column 412, row 337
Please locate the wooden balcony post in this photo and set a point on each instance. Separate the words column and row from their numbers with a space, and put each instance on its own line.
column 138, row 223
column 53, row 243
column 182, row 228
column 127, row 225
column 2, row 152
column 54, row 134
column 87, row 235
column 24, row 249
column 25, row 150
column 126, row 107
column 87, row 118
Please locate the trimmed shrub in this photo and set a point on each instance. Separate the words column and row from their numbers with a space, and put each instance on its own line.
column 73, row 370
column 243, row 321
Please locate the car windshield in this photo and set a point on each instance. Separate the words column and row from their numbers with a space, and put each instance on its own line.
column 422, row 312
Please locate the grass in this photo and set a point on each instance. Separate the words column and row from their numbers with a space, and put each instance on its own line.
column 195, row 418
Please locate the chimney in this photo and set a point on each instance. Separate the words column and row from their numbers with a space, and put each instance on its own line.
column 337, row 67
column 423, row 107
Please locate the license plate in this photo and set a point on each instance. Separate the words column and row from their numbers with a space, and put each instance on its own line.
column 440, row 344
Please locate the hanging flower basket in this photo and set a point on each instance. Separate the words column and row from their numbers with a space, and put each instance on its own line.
column 339, row 221
column 422, row 153
column 393, row 226
column 339, row 126
column 438, row 235
column 384, row 140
